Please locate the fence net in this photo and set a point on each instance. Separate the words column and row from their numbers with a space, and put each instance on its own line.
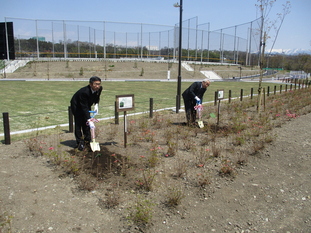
column 104, row 39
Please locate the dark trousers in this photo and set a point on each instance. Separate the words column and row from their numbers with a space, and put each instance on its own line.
column 82, row 131
column 190, row 112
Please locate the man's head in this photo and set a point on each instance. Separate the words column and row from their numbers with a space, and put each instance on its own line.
column 206, row 82
column 95, row 83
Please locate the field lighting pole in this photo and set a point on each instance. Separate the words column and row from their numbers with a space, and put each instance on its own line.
column 179, row 57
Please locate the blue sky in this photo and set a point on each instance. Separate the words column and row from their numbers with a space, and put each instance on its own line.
column 294, row 34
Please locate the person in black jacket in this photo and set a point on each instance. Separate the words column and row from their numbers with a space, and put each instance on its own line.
column 81, row 103
column 194, row 95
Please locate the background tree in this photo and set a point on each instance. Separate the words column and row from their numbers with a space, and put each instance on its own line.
column 264, row 7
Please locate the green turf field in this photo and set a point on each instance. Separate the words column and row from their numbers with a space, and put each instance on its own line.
column 33, row 104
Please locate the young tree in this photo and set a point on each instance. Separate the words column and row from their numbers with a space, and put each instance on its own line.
column 264, row 7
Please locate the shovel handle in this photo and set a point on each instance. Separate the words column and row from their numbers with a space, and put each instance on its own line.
column 94, row 114
column 93, row 133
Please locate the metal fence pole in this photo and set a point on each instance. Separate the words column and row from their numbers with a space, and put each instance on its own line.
column 6, row 127
column 215, row 98
column 150, row 107
column 116, row 114
column 230, row 94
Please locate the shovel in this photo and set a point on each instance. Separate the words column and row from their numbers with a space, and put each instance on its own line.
column 94, row 145
column 200, row 122
column 199, row 108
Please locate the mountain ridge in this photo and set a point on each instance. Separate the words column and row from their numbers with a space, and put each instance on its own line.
column 290, row 51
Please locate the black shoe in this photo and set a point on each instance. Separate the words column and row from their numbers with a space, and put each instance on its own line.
column 81, row 146
column 191, row 124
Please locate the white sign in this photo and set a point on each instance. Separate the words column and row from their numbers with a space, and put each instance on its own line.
column 125, row 102
column 220, row 95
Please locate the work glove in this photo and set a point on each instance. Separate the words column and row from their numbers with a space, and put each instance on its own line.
column 90, row 123
column 198, row 107
column 96, row 108
column 198, row 100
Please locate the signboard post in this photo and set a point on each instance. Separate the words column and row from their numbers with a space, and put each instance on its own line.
column 125, row 103
column 220, row 96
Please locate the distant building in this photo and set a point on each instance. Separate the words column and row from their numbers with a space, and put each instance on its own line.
column 40, row 38
column 298, row 74
column 153, row 48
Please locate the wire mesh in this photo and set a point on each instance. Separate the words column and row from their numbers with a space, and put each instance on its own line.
column 104, row 39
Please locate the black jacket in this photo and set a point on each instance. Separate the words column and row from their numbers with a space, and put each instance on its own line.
column 82, row 101
column 194, row 90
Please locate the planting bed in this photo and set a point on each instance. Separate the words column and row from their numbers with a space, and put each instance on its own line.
column 249, row 173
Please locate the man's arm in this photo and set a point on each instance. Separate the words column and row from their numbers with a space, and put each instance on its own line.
column 84, row 105
column 98, row 99
column 192, row 89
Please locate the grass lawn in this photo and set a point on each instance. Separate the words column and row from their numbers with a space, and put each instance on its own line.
column 43, row 103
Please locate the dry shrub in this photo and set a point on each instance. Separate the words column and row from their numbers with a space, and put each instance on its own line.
column 86, row 182
column 140, row 213
column 112, row 198
column 241, row 157
column 174, row 196
column 203, row 180
column 168, row 136
column 172, row 150
column 146, row 182
column 180, row 169
column 202, row 156
column 189, row 144
column 227, row 169
column 216, row 151
column 257, row 146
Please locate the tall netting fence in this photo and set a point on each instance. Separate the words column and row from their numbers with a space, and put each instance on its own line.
column 67, row 39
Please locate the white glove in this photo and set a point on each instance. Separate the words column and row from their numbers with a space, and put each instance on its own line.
column 198, row 100
column 91, row 124
column 96, row 108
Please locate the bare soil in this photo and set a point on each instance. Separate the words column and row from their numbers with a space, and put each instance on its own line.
column 266, row 191
column 270, row 192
